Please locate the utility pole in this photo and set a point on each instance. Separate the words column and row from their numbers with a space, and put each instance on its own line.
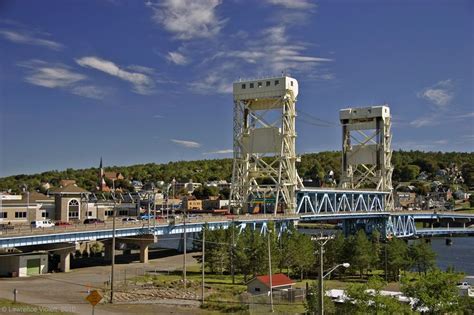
column 386, row 269
column 321, row 270
column 270, row 270
column 232, row 251
column 322, row 240
column 113, row 256
column 203, row 262
column 184, row 247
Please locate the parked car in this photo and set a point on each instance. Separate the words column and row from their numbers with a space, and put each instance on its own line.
column 62, row 223
column 129, row 219
column 92, row 221
column 42, row 224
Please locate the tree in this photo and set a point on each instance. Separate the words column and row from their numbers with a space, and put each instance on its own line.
column 409, row 172
column 422, row 255
column 397, row 257
column 312, row 302
column 301, row 249
column 362, row 252
column 376, row 249
column 436, row 291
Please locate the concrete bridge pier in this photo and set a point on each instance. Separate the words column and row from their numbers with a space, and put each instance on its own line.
column 64, row 260
column 141, row 241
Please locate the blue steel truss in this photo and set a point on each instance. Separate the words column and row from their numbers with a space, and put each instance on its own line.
column 400, row 226
column 318, row 201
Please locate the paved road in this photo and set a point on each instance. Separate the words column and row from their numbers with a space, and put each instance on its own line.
column 67, row 291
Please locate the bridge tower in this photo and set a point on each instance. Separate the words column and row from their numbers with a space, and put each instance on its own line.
column 264, row 176
column 366, row 150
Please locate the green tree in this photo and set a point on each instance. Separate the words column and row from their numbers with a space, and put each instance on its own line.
column 397, row 257
column 436, row 291
column 409, row 172
column 362, row 252
column 422, row 255
column 312, row 302
column 301, row 249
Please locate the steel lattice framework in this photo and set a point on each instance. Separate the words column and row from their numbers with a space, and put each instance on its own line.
column 400, row 226
column 318, row 201
column 366, row 150
column 264, row 171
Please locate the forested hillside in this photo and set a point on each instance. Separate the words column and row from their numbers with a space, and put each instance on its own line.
column 408, row 164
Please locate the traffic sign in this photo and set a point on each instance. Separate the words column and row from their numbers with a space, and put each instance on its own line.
column 94, row 297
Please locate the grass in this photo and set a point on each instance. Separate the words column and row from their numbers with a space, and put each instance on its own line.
column 8, row 306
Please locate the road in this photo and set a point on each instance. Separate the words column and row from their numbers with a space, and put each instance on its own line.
column 67, row 291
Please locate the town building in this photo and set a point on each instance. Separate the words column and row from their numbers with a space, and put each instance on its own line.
column 27, row 207
column 70, row 203
column 23, row 264
column 191, row 203
column 213, row 204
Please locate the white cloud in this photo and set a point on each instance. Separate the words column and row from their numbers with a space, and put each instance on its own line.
column 293, row 4
column 213, row 82
column 440, row 94
column 142, row 83
column 437, row 118
column 29, row 39
column 89, row 91
column 267, row 53
column 158, row 116
column 188, row 19
column 225, row 151
column 186, row 143
column 57, row 75
column 177, row 58
column 50, row 75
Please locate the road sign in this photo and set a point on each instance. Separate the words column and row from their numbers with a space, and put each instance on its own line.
column 94, row 297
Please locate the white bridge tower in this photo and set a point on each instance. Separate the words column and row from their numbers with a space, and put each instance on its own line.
column 264, row 177
column 366, row 150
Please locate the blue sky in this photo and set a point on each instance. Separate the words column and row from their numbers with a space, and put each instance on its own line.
column 150, row 81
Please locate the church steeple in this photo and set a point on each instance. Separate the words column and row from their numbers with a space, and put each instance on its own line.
column 102, row 183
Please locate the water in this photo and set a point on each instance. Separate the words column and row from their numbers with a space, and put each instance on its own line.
column 459, row 255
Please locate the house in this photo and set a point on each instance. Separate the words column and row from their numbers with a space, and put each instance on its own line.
column 261, row 284
column 113, row 175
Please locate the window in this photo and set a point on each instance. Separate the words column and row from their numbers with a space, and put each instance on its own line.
column 89, row 213
column 251, row 85
column 267, row 83
column 291, row 83
column 123, row 212
column 3, row 215
column 259, row 84
column 109, row 213
column 44, row 214
column 277, row 82
column 243, row 86
column 257, row 289
column 73, row 209
column 20, row 214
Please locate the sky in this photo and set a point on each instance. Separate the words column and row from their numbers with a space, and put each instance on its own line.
column 151, row 81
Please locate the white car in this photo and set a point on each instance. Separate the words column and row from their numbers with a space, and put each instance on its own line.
column 42, row 224
column 129, row 220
